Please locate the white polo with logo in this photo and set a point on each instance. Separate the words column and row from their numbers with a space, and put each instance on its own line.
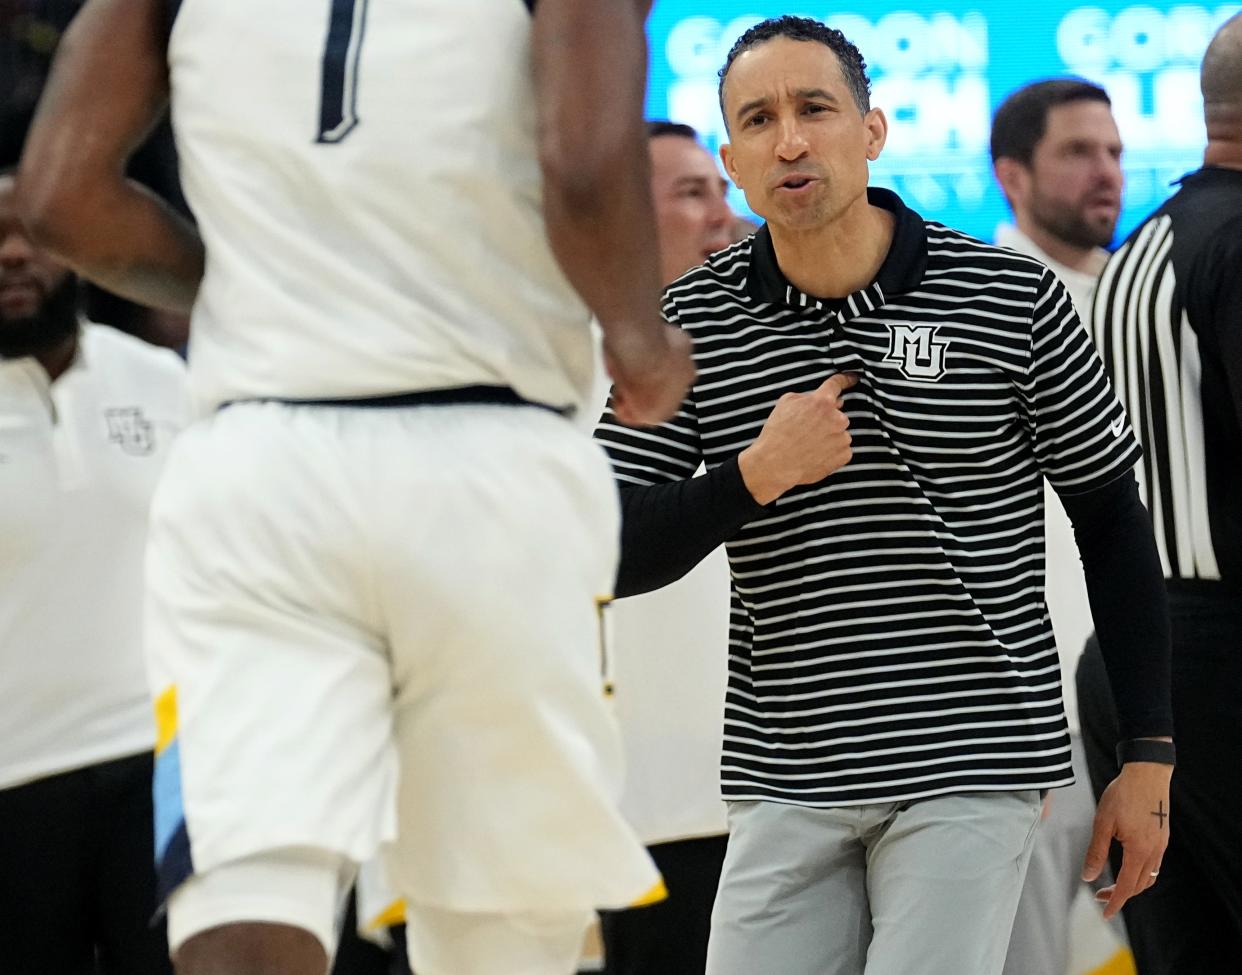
column 79, row 459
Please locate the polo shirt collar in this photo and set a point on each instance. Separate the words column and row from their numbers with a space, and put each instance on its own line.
column 35, row 377
column 902, row 270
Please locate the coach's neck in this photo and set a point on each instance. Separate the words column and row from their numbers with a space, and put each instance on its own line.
column 837, row 257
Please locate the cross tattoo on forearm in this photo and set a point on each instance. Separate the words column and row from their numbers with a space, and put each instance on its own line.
column 1161, row 814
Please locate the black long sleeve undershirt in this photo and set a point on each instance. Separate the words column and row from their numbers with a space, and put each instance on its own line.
column 668, row 529
column 1129, row 603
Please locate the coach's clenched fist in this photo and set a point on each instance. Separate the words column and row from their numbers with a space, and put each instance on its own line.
column 804, row 439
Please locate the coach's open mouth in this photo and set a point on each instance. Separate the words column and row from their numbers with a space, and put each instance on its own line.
column 795, row 182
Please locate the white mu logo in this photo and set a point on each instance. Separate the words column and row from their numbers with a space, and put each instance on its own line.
column 917, row 353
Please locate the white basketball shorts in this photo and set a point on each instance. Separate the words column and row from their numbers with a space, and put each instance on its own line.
column 377, row 627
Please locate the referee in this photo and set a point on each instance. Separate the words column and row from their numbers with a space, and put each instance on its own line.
column 1168, row 321
column 894, row 706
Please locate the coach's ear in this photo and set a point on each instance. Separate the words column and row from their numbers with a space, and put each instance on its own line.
column 726, row 160
column 876, row 124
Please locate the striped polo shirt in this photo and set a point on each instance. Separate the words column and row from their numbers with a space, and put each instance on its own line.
column 889, row 634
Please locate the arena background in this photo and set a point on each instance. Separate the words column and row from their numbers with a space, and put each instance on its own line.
column 940, row 68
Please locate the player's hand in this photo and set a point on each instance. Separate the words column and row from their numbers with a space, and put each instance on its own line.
column 804, row 439
column 1134, row 809
column 650, row 375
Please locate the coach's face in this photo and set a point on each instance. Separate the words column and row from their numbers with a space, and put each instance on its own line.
column 799, row 144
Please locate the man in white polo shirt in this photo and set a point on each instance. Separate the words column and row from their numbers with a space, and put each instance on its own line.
column 670, row 650
column 1056, row 152
column 86, row 417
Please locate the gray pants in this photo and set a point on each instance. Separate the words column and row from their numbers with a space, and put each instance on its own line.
column 910, row 888
column 1040, row 944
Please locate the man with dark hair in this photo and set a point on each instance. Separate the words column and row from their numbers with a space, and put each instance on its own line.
column 1056, row 153
column 693, row 219
column 658, row 127
column 878, row 400
column 1168, row 322
column 849, row 59
column 670, row 648
column 87, row 415
column 1025, row 116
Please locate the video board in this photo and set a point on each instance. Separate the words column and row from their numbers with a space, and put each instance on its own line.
column 940, row 68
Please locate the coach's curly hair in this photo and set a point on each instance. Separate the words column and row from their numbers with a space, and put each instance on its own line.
column 853, row 67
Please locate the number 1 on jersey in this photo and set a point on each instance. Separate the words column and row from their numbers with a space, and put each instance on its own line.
column 338, row 97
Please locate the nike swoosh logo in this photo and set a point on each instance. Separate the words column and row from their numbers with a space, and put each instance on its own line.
column 1117, row 426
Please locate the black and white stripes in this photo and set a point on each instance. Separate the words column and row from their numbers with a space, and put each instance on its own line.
column 1165, row 374
column 889, row 635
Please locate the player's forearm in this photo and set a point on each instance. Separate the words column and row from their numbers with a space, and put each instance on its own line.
column 602, row 237
column 124, row 238
column 107, row 90
column 590, row 70
column 1129, row 603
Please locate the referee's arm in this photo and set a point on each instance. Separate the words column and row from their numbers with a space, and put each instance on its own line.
column 1223, row 310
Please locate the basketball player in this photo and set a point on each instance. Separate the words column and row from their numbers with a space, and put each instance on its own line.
column 374, row 559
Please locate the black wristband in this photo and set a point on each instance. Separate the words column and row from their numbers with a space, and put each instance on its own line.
column 1146, row 750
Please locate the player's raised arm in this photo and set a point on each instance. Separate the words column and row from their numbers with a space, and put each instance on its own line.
column 108, row 88
column 590, row 73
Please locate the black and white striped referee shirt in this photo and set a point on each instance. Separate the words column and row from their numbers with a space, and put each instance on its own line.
column 1167, row 319
column 889, row 636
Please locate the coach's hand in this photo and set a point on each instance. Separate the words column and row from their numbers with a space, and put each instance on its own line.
column 1134, row 809
column 804, row 439
column 651, row 373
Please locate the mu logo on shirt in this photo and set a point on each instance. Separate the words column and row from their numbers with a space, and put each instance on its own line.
column 129, row 428
column 917, row 353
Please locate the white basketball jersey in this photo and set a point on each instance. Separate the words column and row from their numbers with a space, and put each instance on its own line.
column 365, row 178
